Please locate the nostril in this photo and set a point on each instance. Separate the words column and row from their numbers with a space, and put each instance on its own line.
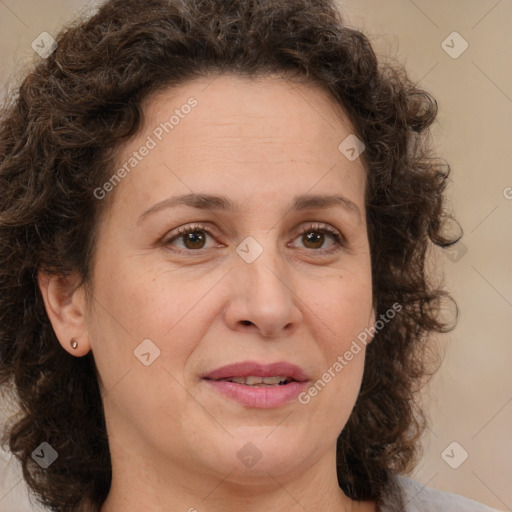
column 246, row 322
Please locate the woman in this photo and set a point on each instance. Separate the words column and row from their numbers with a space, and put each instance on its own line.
column 214, row 228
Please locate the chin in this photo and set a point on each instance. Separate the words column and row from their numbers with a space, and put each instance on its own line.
column 254, row 452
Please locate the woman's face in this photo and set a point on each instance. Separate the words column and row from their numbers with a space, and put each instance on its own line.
column 275, row 270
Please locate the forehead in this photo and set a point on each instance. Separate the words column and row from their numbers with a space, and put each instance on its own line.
column 250, row 136
column 270, row 109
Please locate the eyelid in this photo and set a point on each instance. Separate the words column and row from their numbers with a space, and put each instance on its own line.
column 318, row 226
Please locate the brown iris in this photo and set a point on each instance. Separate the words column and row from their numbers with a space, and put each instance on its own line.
column 194, row 240
column 313, row 237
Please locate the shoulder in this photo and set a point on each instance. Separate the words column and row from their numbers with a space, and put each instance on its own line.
column 418, row 498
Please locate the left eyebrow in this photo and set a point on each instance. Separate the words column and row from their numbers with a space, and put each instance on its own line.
column 312, row 201
column 212, row 202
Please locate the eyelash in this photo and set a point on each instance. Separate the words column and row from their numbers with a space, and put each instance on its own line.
column 339, row 239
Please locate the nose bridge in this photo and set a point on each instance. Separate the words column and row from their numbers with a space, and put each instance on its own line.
column 264, row 286
column 262, row 262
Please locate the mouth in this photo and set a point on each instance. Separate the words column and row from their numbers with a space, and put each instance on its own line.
column 255, row 381
column 259, row 385
column 252, row 373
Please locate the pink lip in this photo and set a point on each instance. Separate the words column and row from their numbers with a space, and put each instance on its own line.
column 247, row 368
column 259, row 397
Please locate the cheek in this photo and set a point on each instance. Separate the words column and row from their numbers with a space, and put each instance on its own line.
column 143, row 301
column 134, row 303
column 339, row 311
column 341, row 307
column 131, row 306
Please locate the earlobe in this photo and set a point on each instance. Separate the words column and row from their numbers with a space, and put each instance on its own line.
column 65, row 306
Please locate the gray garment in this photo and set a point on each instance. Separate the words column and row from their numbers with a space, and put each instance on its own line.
column 417, row 498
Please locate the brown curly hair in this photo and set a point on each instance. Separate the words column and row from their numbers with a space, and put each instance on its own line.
column 58, row 138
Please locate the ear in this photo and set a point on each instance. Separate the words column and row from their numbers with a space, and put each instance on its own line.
column 65, row 305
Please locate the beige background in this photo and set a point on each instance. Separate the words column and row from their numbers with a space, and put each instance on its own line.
column 470, row 399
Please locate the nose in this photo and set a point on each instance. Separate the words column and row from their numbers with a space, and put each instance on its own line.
column 262, row 299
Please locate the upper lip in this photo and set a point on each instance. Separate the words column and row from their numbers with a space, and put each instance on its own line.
column 254, row 368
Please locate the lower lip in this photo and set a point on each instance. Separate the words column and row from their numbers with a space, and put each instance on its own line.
column 262, row 397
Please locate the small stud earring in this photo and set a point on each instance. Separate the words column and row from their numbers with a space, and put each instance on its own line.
column 74, row 343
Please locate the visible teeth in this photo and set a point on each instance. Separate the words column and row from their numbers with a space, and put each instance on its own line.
column 254, row 381
column 273, row 380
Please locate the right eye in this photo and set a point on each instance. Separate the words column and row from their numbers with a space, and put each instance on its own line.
column 193, row 237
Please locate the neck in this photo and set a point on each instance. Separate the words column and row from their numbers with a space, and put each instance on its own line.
column 149, row 486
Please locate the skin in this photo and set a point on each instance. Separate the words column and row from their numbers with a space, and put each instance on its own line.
column 173, row 440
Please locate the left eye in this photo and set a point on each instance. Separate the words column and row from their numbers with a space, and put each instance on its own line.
column 314, row 237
